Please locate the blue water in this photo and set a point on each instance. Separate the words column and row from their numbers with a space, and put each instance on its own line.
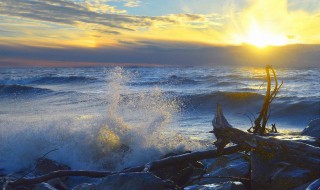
column 88, row 112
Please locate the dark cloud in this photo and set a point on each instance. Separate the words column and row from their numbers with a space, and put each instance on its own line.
column 178, row 54
column 105, row 31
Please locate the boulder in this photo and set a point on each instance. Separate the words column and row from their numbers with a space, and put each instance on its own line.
column 231, row 185
column 128, row 181
column 315, row 185
column 44, row 186
column 235, row 165
column 180, row 173
column 45, row 166
column 85, row 186
column 276, row 173
column 2, row 172
column 313, row 129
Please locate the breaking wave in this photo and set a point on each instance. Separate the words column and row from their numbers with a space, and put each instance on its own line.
column 129, row 132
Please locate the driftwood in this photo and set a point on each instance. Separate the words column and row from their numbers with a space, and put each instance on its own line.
column 260, row 122
column 152, row 166
column 300, row 154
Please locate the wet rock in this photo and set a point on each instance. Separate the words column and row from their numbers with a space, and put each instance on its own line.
column 45, row 166
column 85, row 186
column 315, row 185
column 44, row 186
column 231, row 185
column 313, row 129
column 58, row 184
column 128, row 181
column 180, row 173
column 275, row 173
column 235, row 165
column 2, row 172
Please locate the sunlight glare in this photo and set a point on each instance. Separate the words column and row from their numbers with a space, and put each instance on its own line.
column 261, row 38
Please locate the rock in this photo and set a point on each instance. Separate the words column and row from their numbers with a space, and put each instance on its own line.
column 276, row 173
column 128, row 181
column 231, row 185
column 45, row 166
column 2, row 172
column 234, row 165
column 44, row 186
column 313, row 129
column 180, row 173
column 85, row 186
column 315, row 185
column 58, row 184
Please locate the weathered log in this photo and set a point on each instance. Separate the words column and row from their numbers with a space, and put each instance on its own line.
column 300, row 154
column 151, row 166
column 190, row 157
column 219, row 121
column 272, row 159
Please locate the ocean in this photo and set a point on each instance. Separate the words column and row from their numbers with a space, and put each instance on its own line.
column 112, row 117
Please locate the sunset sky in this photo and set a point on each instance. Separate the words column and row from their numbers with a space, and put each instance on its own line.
column 159, row 32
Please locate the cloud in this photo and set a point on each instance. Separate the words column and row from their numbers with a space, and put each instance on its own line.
column 96, row 23
column 132, row 3
column 70, row 13
column 101, row 6
column 162, row 53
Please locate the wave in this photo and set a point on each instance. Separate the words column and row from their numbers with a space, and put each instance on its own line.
column 296, row 110
column 229, row 84
column 228, row 99
column 172, row 80
column 63, row 79
column 286, row 108
column 21, row 90
column 242, row 77
column 119, row 138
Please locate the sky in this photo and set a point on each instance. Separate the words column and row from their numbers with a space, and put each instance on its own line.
column 159, row 32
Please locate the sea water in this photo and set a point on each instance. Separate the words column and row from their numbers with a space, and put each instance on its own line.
column 112, row 117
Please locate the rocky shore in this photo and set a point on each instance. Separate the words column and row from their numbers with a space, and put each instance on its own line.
column 240, row 170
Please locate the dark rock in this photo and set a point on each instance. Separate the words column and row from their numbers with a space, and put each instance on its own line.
column 315, row 185
column 183, row 176
column 275, row 173
column 2, row 172
column 234, row 165
column 313, row 129
column 128, row 181
column 44, row 186
column 180, row 173
column 58, row 184
column 231, row 185
column 45, row 166
column 85, row 186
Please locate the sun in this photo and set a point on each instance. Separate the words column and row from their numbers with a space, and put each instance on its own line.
column 262, row 37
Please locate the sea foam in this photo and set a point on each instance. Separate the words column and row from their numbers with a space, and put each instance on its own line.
column 132, row 130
